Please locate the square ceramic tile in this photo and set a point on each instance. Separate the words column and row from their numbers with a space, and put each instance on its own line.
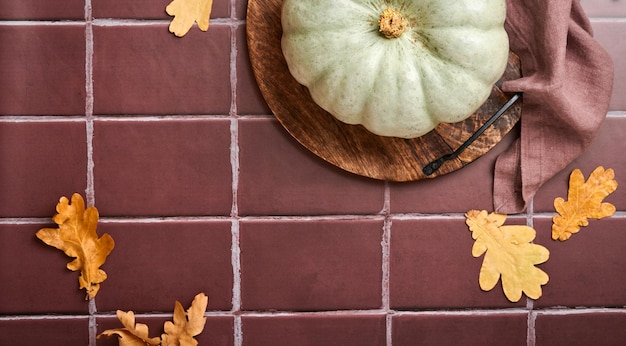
column 241, row 7
column 41, row 162
column 159, row 168
column 432, row 267
column 43, row 9
column 49, row 331
column 462, row 329
column 612, row 36
column 147, row 9
column 155, row 264
column 44, row 71
column 33, row 276
column 585, row 270
column 606, row 150
column 314, row 330
column 597, row 328
column 249, row 98
column 150, row 71
column 278, row 176
column 218, row 330
column 604, row 8
column 311, row 265
column 471, row 187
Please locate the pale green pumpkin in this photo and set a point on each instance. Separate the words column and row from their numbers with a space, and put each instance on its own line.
column 430, row 61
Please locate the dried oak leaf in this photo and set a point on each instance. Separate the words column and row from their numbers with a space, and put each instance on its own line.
column 584, row 201
column 508, row 255
column 132, row 334
column 186, row 12
column 186, row 325
column 77, row 237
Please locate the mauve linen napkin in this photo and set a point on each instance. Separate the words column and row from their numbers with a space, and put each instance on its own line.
column 566, row 84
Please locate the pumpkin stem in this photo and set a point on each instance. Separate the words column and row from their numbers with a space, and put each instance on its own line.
column 391, row 24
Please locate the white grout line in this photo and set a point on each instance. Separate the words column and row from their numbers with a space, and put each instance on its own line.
column 531, row 338
column 89, row 189
column 338, row 313
column 26, row 221
column 148, row 22
column 163, row 220
column 579, row 311
column 238, row 331
column 236, row 264
column 338, row 217
column 420, row 216
column 548, row 215
column 554, row 311
column 607, row 19
column 42, row 317
column 41, row 118
column 616, row 114
column 389, row 329
column 234, row 161
column 113, row 22
column 157, row 118
column 530, row 322
column 40, row 22
column 386, row 251
column 476, row 312
column 267, row 218
column 93, row 323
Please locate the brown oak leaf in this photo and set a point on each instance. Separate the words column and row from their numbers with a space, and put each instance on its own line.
column 509, row 255
column 186, row 325
column 584, row 201
column 180, row 333
column 132, row 334
column 187, row 12
column 77, row 237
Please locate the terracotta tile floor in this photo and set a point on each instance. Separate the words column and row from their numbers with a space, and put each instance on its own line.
column 204, row 191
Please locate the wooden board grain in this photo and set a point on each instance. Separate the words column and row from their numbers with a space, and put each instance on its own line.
column 352, row 147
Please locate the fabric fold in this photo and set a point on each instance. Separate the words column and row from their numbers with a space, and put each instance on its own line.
column 566, row 84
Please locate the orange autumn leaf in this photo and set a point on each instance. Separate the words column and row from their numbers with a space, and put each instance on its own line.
column 77, row 237
column 187, row 12
column 180, row 333
column 186, row 325
column 584, row 201
column 509, row 255
column 132, row 334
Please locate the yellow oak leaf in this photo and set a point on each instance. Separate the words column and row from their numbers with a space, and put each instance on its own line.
column 509, row 255
column 584, row 201
column 187, row 12
column 133, row 334
column 77, row 237
column 186, row 325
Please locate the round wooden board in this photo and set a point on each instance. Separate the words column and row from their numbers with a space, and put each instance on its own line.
column 352, row 147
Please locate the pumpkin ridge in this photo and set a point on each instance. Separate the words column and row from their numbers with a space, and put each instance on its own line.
column 339, row 40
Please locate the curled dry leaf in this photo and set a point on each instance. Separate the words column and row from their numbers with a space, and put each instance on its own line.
column 77, row 237
column 187, row 12
column 509, row 254
column 584, row 201
column 188, row 325
column 133, row 334
column 180, row 333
